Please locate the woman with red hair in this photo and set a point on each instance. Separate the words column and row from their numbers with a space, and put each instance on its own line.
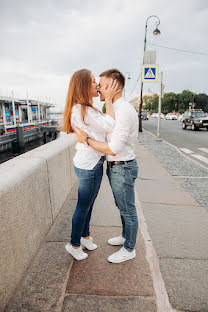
column 88, row 163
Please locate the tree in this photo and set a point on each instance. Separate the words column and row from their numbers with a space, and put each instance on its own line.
column 151, row 102
column 169, row 103
column 184, row 98
column 201, row 101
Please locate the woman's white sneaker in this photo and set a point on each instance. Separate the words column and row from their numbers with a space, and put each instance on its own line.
column 77, row 253
column 87, row 243
column 116, row 241
column 122, row 255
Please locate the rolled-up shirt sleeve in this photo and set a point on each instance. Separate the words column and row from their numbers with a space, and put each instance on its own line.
column 120, row 132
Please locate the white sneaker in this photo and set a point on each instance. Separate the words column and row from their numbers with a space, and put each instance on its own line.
column 116, row 241
column 87, row 243
column 122, row 255
column 78, row 253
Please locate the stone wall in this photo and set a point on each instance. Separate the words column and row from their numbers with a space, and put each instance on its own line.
column 33, row 188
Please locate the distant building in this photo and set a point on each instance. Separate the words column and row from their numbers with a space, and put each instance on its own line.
column 13, row 110
column 29, row 112
column 135, row 102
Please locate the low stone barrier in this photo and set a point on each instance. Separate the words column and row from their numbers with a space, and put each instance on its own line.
column 33, row 188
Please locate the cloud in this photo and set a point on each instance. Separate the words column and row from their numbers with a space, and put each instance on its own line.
column 45, row 41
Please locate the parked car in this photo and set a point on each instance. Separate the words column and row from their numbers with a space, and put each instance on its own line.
column 155, row 115
column 195, row 119
column 144, row 115
column 180, row 118
column 171, row 116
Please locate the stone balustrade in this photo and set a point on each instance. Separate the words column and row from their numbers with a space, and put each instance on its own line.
column 33, row 188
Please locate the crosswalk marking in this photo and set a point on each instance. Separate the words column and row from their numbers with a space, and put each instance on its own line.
column 203, row 149
column 186, row 150
column 201, row 158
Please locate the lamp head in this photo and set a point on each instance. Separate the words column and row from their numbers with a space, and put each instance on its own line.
column 156, row 32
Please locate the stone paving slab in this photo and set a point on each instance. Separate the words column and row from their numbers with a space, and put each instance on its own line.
column 43, row 286
column 105, row 212
column 61, row 230
column 178, row 231
column 96, row 276
column 80, row 303
column 186, row 283
column 164, row 193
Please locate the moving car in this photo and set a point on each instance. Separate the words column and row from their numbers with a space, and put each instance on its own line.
column 171, row 116
column 195, row 118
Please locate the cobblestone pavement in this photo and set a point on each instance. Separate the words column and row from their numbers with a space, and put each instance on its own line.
column 192, row 176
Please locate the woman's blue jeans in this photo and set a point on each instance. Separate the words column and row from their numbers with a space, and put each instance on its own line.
column 122, row 179
column 89, row 185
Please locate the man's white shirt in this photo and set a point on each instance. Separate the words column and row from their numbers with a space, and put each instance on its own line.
column 122, row 140
column 96, row 126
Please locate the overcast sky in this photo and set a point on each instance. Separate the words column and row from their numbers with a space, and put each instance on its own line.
column 44, row 41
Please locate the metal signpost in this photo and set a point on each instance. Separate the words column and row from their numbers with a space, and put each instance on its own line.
column 158, row 138
column 155, row 32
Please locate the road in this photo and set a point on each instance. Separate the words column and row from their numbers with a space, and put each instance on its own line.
column 192, row 143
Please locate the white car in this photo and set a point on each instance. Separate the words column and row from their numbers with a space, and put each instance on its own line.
column 155, row 115
column 171, row 116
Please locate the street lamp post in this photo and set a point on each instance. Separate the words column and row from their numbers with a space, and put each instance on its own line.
column 155, row 32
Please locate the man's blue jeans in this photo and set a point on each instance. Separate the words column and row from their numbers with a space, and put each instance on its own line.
column 89, row 185
column 122, row 179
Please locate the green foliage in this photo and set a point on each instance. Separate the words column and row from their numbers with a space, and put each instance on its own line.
column 151, row 103
column 169, row 102
column 184, row 98
column 201, row 101
column 104, row 109
column 176, row 102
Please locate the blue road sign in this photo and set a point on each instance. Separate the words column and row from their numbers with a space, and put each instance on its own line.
column 149, row 73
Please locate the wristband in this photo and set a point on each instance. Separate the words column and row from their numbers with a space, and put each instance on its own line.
column 86, row 140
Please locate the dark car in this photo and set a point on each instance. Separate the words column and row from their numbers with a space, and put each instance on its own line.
column 144, row 115
column 195, row 119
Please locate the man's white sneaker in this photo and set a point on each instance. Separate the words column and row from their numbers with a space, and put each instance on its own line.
column 78, row 253
column 87, row 243
column 122, row 255
column 116, row 241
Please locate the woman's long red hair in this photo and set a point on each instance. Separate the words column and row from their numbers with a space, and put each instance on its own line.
column 79, row 92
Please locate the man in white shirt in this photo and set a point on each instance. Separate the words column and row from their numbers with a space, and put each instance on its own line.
column 122, row 166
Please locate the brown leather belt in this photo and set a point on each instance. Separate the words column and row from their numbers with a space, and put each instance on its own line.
column 117, row 162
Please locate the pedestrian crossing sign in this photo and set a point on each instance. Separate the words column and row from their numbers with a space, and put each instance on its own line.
column 149, row 73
